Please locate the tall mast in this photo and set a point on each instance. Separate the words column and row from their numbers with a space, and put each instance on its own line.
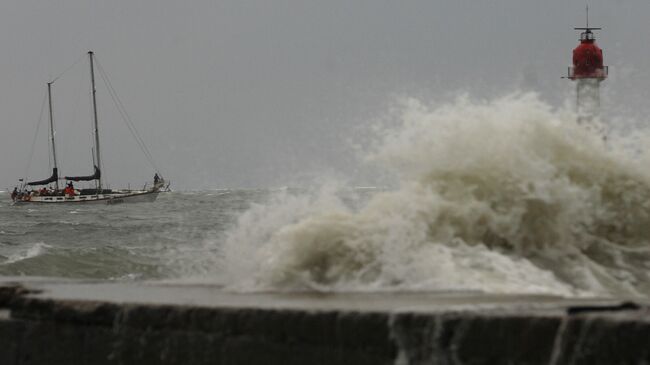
column 94, row 91
column 49, row 98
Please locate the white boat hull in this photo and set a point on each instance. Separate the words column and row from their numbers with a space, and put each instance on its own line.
column 142, row 196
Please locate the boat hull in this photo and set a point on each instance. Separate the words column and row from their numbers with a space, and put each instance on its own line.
column 116, row 198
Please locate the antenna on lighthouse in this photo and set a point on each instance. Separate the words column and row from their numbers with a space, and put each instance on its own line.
column 587, row 30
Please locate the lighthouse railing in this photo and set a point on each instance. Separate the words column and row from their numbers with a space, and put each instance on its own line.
column 599, row 73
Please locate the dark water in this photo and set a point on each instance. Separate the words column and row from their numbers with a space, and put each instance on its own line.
column 171, row 237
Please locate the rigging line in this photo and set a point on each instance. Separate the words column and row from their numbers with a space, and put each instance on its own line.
column 121, row 107
column 69, row 68
column 31, row 151
column 126, row 117
column 118, row 105
column 49, row 157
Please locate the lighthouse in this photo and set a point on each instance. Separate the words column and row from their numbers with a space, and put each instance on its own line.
column 587, row 72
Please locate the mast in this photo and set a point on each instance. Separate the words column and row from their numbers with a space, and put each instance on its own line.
column 94, row 91
column 49, row 98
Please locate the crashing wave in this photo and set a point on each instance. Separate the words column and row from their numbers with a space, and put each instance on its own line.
column 506, row 196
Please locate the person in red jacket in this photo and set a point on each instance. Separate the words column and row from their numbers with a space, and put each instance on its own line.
column 69, row 190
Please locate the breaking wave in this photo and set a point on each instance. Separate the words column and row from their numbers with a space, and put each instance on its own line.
column 502, row 196
column 34, row 250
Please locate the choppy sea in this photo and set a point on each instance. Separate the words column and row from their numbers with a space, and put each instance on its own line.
column 119, row 242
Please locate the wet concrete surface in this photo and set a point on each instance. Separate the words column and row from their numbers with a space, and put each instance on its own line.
column 59, row 321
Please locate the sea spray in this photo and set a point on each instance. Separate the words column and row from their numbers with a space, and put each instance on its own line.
column 504, row 196
column 34, row 250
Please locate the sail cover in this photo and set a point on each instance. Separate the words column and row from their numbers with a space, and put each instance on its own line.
column 94, row 176
column 51, row 179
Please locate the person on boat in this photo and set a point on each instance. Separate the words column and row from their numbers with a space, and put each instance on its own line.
column 14, row 194
column 156, row 179
column 69, row 189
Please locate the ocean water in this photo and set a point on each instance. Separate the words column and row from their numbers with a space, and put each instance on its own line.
column 501, row 196
column 118, row 242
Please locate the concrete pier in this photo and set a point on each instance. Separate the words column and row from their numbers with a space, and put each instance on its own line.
column 50, row 321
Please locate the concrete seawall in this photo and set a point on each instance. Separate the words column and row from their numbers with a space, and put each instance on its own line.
column 78, row 322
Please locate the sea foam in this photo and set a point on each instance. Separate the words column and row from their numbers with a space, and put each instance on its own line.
column 32, row 251
column 501, row 196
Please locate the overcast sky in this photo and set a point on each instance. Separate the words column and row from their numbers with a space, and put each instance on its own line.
column 270, row 93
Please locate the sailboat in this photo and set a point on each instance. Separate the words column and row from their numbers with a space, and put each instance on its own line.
column 50, row 191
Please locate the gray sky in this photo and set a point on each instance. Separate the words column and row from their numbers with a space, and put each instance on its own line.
column 269, row 93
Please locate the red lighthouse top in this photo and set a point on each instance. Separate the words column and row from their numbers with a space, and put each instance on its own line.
column 588, row 57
